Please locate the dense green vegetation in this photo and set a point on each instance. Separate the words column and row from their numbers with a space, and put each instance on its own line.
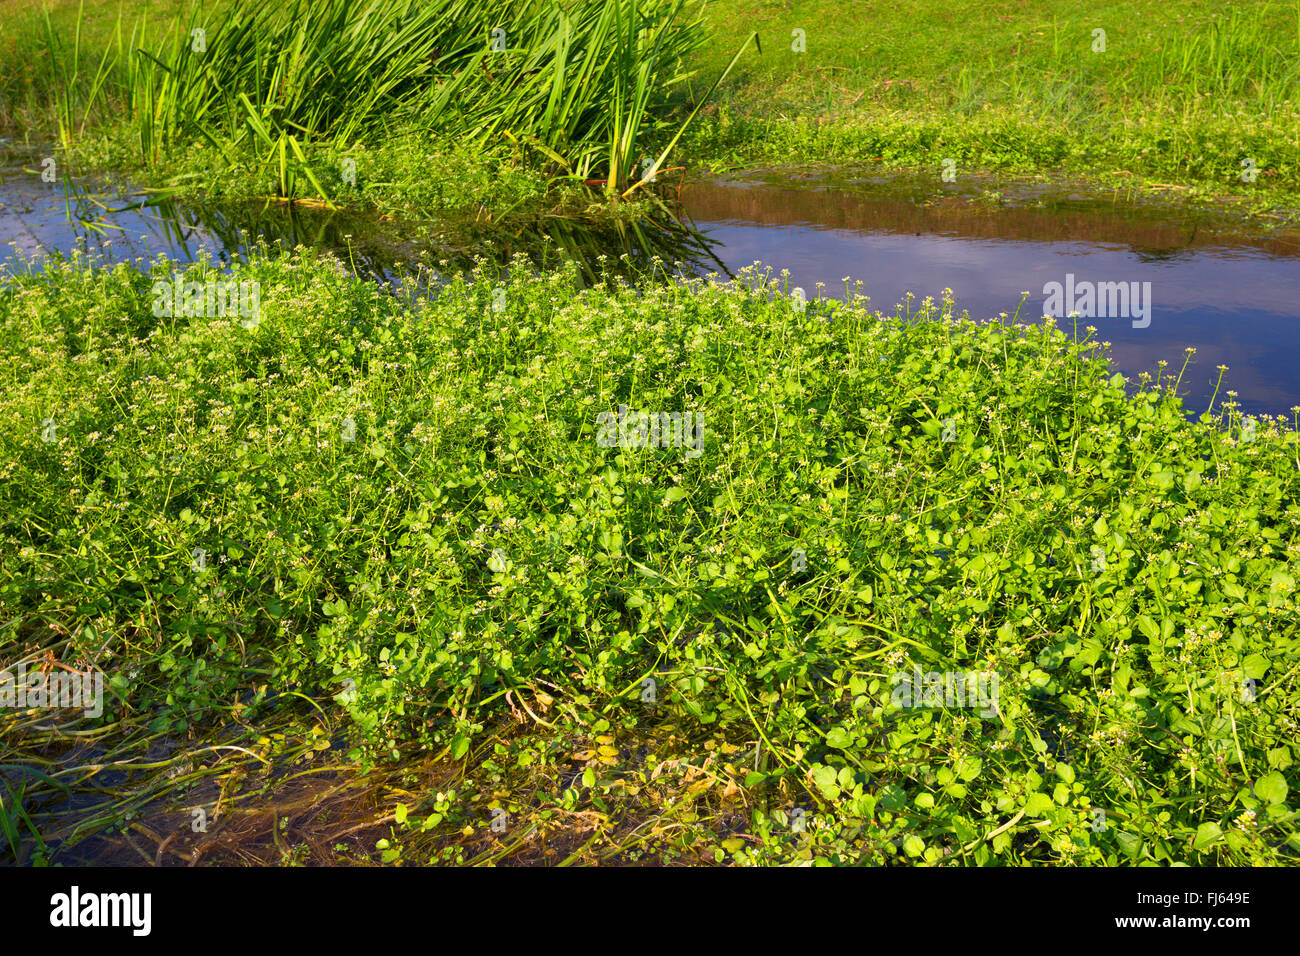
column 967, row 497
column 287, row 90
column 385, row 537
column 1184, row 91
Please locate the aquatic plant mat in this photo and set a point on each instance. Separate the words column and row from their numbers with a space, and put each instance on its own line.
column 403, row 580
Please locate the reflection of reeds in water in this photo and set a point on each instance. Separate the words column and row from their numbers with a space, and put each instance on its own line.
column 236, row 228
column 637, row 248
column 383, row 251
column 380, row 249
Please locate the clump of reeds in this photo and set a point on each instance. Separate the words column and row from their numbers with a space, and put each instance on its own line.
column 582, row 84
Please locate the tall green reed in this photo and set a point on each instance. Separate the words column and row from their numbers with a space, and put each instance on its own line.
column 585, row 84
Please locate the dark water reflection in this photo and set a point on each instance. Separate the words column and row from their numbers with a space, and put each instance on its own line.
column 38, row 219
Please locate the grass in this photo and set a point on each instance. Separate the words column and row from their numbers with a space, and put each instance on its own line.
column 1182, row 94
column 1186, row 95
column 475, row 583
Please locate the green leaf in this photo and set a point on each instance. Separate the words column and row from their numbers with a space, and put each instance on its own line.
column 1038, row 804
column 1163, row 480
column 839, row 738
column 824, row 778
column 1207, row 834
column 1271, row 787
column 1256, row 666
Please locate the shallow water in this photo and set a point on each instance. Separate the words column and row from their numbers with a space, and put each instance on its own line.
column 39, row 218
column 1230, row 294
column 1234, row 297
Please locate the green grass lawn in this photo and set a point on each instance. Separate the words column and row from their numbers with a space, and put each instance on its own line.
column 1184, row 91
